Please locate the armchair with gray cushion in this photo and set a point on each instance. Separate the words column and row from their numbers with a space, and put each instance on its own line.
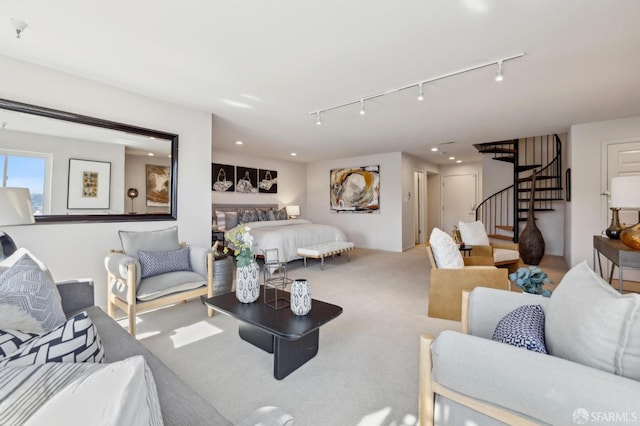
column 590, row 374
column 154, row 269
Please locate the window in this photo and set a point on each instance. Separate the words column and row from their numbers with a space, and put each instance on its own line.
column 27, row 170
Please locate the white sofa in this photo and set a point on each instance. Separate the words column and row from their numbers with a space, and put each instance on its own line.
column 592, row 335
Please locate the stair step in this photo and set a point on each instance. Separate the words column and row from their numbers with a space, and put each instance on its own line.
column 501, row 237
column 505, row 159
column 550, row 188
column 529, row 178
column 525, row 200
column 495, row 150
column 537, row 210
column 526, row 167
column 505, row 227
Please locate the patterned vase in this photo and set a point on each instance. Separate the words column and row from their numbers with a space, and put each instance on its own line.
column 300, row 297
column 247, row 285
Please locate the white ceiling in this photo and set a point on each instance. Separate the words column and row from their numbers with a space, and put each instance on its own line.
column 261, row 66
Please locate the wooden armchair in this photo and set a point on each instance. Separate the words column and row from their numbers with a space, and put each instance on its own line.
column 506, row 254
column 154, row 269
column 447, row 284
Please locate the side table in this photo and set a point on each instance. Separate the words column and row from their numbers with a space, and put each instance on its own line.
column 618, row 253
column 466, row 250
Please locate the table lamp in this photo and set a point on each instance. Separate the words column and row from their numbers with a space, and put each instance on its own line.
column 293, row 211
column 15, row 209
column 625, row 194
column 132, row 193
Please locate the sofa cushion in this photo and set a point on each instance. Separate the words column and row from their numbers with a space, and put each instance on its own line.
column 65, row 393
column 523, row 327
column 171, row 282
column 589, row 322
column 164, row 239
column 163, row 261
column 445, row 250
column 74, row 341
column 473, row 233
column 26, row 286
column 505, row 255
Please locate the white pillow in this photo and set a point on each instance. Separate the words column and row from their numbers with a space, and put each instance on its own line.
column 445, row 250
column 473, row 233
column 122, row 393
column 589, row 322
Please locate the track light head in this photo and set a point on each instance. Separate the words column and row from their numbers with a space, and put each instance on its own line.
column 499, row 76
column 362, row 111
column 318, row 121
column 19, row 26
column 421, row 93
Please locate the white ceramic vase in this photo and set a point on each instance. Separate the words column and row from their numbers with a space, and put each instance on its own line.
column 247, row 282
column 300, row 297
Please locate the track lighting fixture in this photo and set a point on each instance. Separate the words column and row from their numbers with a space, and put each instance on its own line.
column 499, row 76
column 419, row 84
column 19, row 26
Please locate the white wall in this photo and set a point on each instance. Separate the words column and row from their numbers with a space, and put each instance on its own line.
column 411, row 164
column 292, row 179
column 383, row 230
column 587, row 211
column 78, row 249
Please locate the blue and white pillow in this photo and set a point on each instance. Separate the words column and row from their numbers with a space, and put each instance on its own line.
column 523, row 327
column 247, row 215
column 29, row 288
column 280, row 214
column 76, row 340
column 160, row 262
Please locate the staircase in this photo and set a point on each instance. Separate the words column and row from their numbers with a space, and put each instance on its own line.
column 503, row 211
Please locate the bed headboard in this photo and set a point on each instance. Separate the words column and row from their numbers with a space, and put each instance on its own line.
column 235, row 207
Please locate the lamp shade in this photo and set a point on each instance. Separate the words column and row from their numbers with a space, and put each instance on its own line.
column 293, row 210
column 625, row 192
column 15, row 207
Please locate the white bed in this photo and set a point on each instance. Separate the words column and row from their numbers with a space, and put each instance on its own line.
column 289, row 235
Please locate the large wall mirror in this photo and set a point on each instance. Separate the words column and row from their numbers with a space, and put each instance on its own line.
column 81, row 168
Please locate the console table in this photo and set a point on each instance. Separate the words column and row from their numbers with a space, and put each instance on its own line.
column 618, row 253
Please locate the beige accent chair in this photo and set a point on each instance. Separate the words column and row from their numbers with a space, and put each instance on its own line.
column 447, row 284
column 133, row 293
column 506, row 254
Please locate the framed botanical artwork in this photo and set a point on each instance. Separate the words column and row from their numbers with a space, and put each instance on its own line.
column 267, row 181
column 89, row 184
column 355, row 189
column 158, row 178
column 246, row 179
column 223, row 177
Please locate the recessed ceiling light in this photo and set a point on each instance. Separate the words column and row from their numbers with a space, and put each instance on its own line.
column 452, row 158
column 151, row 154
column 458, row 161
column 152, row 138
column 293, row 154
column 238, row 142
column 434, row 149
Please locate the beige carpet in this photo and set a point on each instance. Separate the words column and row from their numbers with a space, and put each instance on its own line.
column 366, row 370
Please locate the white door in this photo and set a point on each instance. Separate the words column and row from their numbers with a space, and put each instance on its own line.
column 623, row 159
column 419, row 188
column 459, row 197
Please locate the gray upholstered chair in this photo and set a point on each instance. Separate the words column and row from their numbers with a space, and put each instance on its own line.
column 154, row 269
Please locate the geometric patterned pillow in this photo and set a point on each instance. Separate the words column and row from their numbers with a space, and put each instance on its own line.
column 247, row 215
column 11, row 340
column 523, row 327
column 163, row 261
column 281, row 214
column 263, row 214
column 74, row 341
column 26, row 286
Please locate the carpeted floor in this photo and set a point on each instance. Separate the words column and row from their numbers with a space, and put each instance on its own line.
column 366, row 370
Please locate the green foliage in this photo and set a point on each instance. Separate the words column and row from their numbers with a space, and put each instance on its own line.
column 240, row 240
column 531, row 279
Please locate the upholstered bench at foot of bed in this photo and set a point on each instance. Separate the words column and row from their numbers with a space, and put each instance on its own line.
column 322, row 250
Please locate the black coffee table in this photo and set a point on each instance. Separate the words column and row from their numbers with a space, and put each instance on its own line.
column 292, row 339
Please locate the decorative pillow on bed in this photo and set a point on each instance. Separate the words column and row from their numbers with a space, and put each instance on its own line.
column 247, row 215
column 27, row 287
column 74, row 341
column 160, row 262
column 281, row 214
column 221, row 220
column 523, row 328
column 231, row 220
column 263, row 214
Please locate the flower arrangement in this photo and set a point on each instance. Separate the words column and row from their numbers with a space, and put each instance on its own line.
column 240, row 241
column 530, row 279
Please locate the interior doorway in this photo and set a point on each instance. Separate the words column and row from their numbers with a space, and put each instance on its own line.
column 419, row 215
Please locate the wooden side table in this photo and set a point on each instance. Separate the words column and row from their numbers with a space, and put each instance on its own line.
column 618, row 253
column 466, row 250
